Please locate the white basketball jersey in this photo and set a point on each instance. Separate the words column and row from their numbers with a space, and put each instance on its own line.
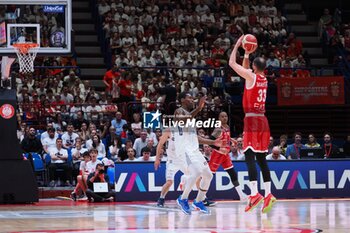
column 189, row 139
column 173, row 150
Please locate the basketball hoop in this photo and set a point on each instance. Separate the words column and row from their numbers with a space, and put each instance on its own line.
column 26, row 53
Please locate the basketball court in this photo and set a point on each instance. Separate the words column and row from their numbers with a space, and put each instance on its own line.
column 324, row 215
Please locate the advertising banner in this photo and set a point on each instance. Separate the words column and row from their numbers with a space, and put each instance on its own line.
column 310, row 91
column 53, row 9
column 137, row 181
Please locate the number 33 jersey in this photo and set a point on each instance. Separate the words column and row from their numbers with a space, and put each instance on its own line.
column 254, row 97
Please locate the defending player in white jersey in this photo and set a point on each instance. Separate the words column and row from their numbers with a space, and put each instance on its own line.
column 176, row 158
column 197, row 165
column 175, row 161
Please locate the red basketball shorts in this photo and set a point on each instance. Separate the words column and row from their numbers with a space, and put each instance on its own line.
column 256, row 134
column 217, row 159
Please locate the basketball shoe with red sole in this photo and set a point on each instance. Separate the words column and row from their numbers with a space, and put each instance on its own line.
column 253, row 202
column 269, row 201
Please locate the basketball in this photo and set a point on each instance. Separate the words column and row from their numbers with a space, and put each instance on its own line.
column 249, row 43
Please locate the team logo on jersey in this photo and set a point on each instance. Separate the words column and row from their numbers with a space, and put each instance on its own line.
column 151, row 120
column 7, row 111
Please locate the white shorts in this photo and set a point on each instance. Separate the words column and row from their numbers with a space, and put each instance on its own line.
column 196, row 157
column 173, row 167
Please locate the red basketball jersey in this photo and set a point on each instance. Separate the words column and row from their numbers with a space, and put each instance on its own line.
column 225, row 136
column 254, row 98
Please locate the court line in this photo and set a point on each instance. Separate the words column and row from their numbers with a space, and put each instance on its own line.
column 150, row 207
column 209, row 229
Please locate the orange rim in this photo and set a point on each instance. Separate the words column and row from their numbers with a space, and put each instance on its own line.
column 25, row 47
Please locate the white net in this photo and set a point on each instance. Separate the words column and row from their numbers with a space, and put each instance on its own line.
column 26, row 53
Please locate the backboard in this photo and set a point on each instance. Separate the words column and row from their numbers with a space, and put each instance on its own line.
column 46, row 22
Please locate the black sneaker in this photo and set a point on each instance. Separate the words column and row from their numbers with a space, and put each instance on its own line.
column 208, row 202
column 160, row 202
column 73, row 195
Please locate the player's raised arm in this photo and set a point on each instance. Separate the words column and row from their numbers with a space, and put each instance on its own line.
column 245, row 73
column 199, row 107
column 245, row 62
column 180, row 114
column 162, row 140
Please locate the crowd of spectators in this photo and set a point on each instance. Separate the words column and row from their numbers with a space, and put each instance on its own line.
column 335, row 37
column 192, row 38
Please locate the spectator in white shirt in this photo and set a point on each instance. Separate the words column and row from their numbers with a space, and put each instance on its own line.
column 271, row 9
column 146, row 155
column 121, row 60
column 223, row 41
column 140, row 143
column 131, row 155
column 78, row 151
column 184, row 59
column 131, row 53
column 172, row 58
column 272, row 61
column 77, row 155
column 297, row 62
column 135, row 61
column 147, row 60
column 99, row 146
column 127, row 41
column 120, row 15
column 88, row 143
column 50, row 141
column 276, row 154
column 199, row 62
column 91, row 165
column 136, row 27
column 207, row 18
column 157, row 51
column 69, row 137
column 94, row 112
column 260, row 8
column 46, row 134
column 265, row 20
column 146, row 19
column 59, row 158
column 199, row 88
column 201, row 9
column 279, row 19
column 240, row 148
column 240, row 18
column 103, row 7
column 193, row 54
column 114, row 148
column 71, row 77
column 66, row 97
column 190, row 72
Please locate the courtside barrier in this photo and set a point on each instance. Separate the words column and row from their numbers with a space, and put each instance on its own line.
column 138, row 181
